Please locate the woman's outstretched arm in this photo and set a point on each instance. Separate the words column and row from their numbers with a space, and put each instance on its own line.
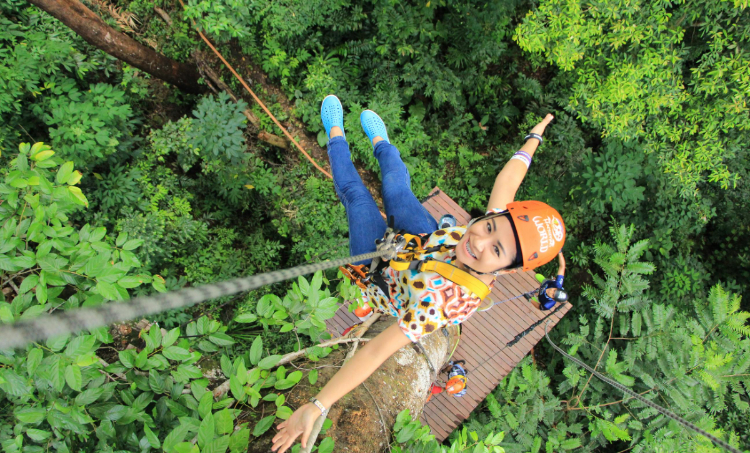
column 510, row 177
column 356, row 370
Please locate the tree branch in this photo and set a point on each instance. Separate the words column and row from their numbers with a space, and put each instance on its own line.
column 358, row 332
column 224, row 387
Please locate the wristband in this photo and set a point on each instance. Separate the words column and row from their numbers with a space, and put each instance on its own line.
column 533, row 135
column 523, row 157
column 319, row 405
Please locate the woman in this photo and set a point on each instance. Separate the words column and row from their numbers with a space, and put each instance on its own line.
column 511, row 236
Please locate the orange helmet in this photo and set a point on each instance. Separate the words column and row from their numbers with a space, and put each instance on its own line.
column 455, row 384
column 540, row 231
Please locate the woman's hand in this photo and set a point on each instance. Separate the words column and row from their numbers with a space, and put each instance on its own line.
column 301, row 422
column 539, row 128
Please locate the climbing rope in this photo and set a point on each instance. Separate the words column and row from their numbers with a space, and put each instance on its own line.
column 46, row 326
column 256, row 98
column 643, row 400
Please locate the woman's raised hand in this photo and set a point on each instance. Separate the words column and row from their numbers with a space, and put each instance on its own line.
column 300, row 422
column 539, row 128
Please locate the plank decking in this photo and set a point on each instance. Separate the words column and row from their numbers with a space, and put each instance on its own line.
column 483, row 336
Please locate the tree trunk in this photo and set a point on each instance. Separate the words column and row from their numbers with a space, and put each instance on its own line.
column 96, row 32
column 363, row 419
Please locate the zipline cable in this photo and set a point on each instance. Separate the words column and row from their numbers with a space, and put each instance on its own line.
column 21, row 333
column 643, row 400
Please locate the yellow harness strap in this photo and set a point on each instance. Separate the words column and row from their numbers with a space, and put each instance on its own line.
column 457, row 276
column 447, row 271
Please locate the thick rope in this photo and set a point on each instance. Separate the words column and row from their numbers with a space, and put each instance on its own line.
column 45, row 326
column 643, row 400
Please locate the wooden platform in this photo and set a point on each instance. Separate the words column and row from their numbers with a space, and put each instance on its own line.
column 482, row 336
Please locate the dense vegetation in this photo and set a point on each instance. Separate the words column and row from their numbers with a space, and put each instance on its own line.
column 142, row 188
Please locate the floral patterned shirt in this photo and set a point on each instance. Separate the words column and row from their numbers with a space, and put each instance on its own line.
column 424, row 302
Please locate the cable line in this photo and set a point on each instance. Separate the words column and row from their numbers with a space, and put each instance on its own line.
column 21, row 333
column 643, row 400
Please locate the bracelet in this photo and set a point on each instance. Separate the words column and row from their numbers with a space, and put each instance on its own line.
column 319, row 405
column 523, row 157
column 533, row 135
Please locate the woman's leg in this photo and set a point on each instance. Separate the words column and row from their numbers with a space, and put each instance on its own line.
column 365, row 222
column 399, row 201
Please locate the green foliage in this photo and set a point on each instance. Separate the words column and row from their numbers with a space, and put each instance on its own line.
column 87, row 127
column 304, row 309
column 412, row 436
column 640, row 73
column 217, row 130
column 118, row 188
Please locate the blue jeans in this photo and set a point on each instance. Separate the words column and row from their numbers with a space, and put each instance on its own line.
column 365, row 222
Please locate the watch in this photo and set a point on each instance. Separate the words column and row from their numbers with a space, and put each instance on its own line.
column 319, row 405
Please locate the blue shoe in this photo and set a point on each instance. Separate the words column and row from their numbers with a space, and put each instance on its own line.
column 373, row 125
column 332, row 114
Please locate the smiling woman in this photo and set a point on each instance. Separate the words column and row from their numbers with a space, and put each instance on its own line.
column 453, row 269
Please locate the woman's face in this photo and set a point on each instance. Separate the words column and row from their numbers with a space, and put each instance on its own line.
column 488, row 245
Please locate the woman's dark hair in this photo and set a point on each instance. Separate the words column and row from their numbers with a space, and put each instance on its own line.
column 518, row 261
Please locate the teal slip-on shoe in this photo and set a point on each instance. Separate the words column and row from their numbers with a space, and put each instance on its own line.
column 332, row 114
column 373, row 125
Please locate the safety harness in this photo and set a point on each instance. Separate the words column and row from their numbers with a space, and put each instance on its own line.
column 410, row 253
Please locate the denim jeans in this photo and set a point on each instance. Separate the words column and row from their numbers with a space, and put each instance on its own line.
column 365, row 222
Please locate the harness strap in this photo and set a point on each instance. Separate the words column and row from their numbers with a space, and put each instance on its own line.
column 457, row 276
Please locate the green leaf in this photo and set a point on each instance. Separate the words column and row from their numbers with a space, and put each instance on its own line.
column 121, row 238
column 64, row 172
column 132, row 244
column 171, row 337
column 570, row 444
column 218, row 445
column 131, row 281
column 108, row 290
column 33, row 360
column 152, row 438
column 256, row 350
column 221, row 339
column 89, row 396
column 295, row 376
column 236, row 388
column 284, row 384
column 239, row 441
column 30, row 415
column 38, row 435
column 207, row 430
column 206, row 404
column 176, row 353
column 284, row 412
column 313, row 376
column 186, row 447
column 246, row 318
column 127, row 357
column 98, row 234
column 82, row 344
column 78, row 196
column 28, row 283
column 326, row 446
column 57, row 343
column 269, row 362
column 176, row 436
column 224, row 422
column 73, row 377
column 263, row 425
